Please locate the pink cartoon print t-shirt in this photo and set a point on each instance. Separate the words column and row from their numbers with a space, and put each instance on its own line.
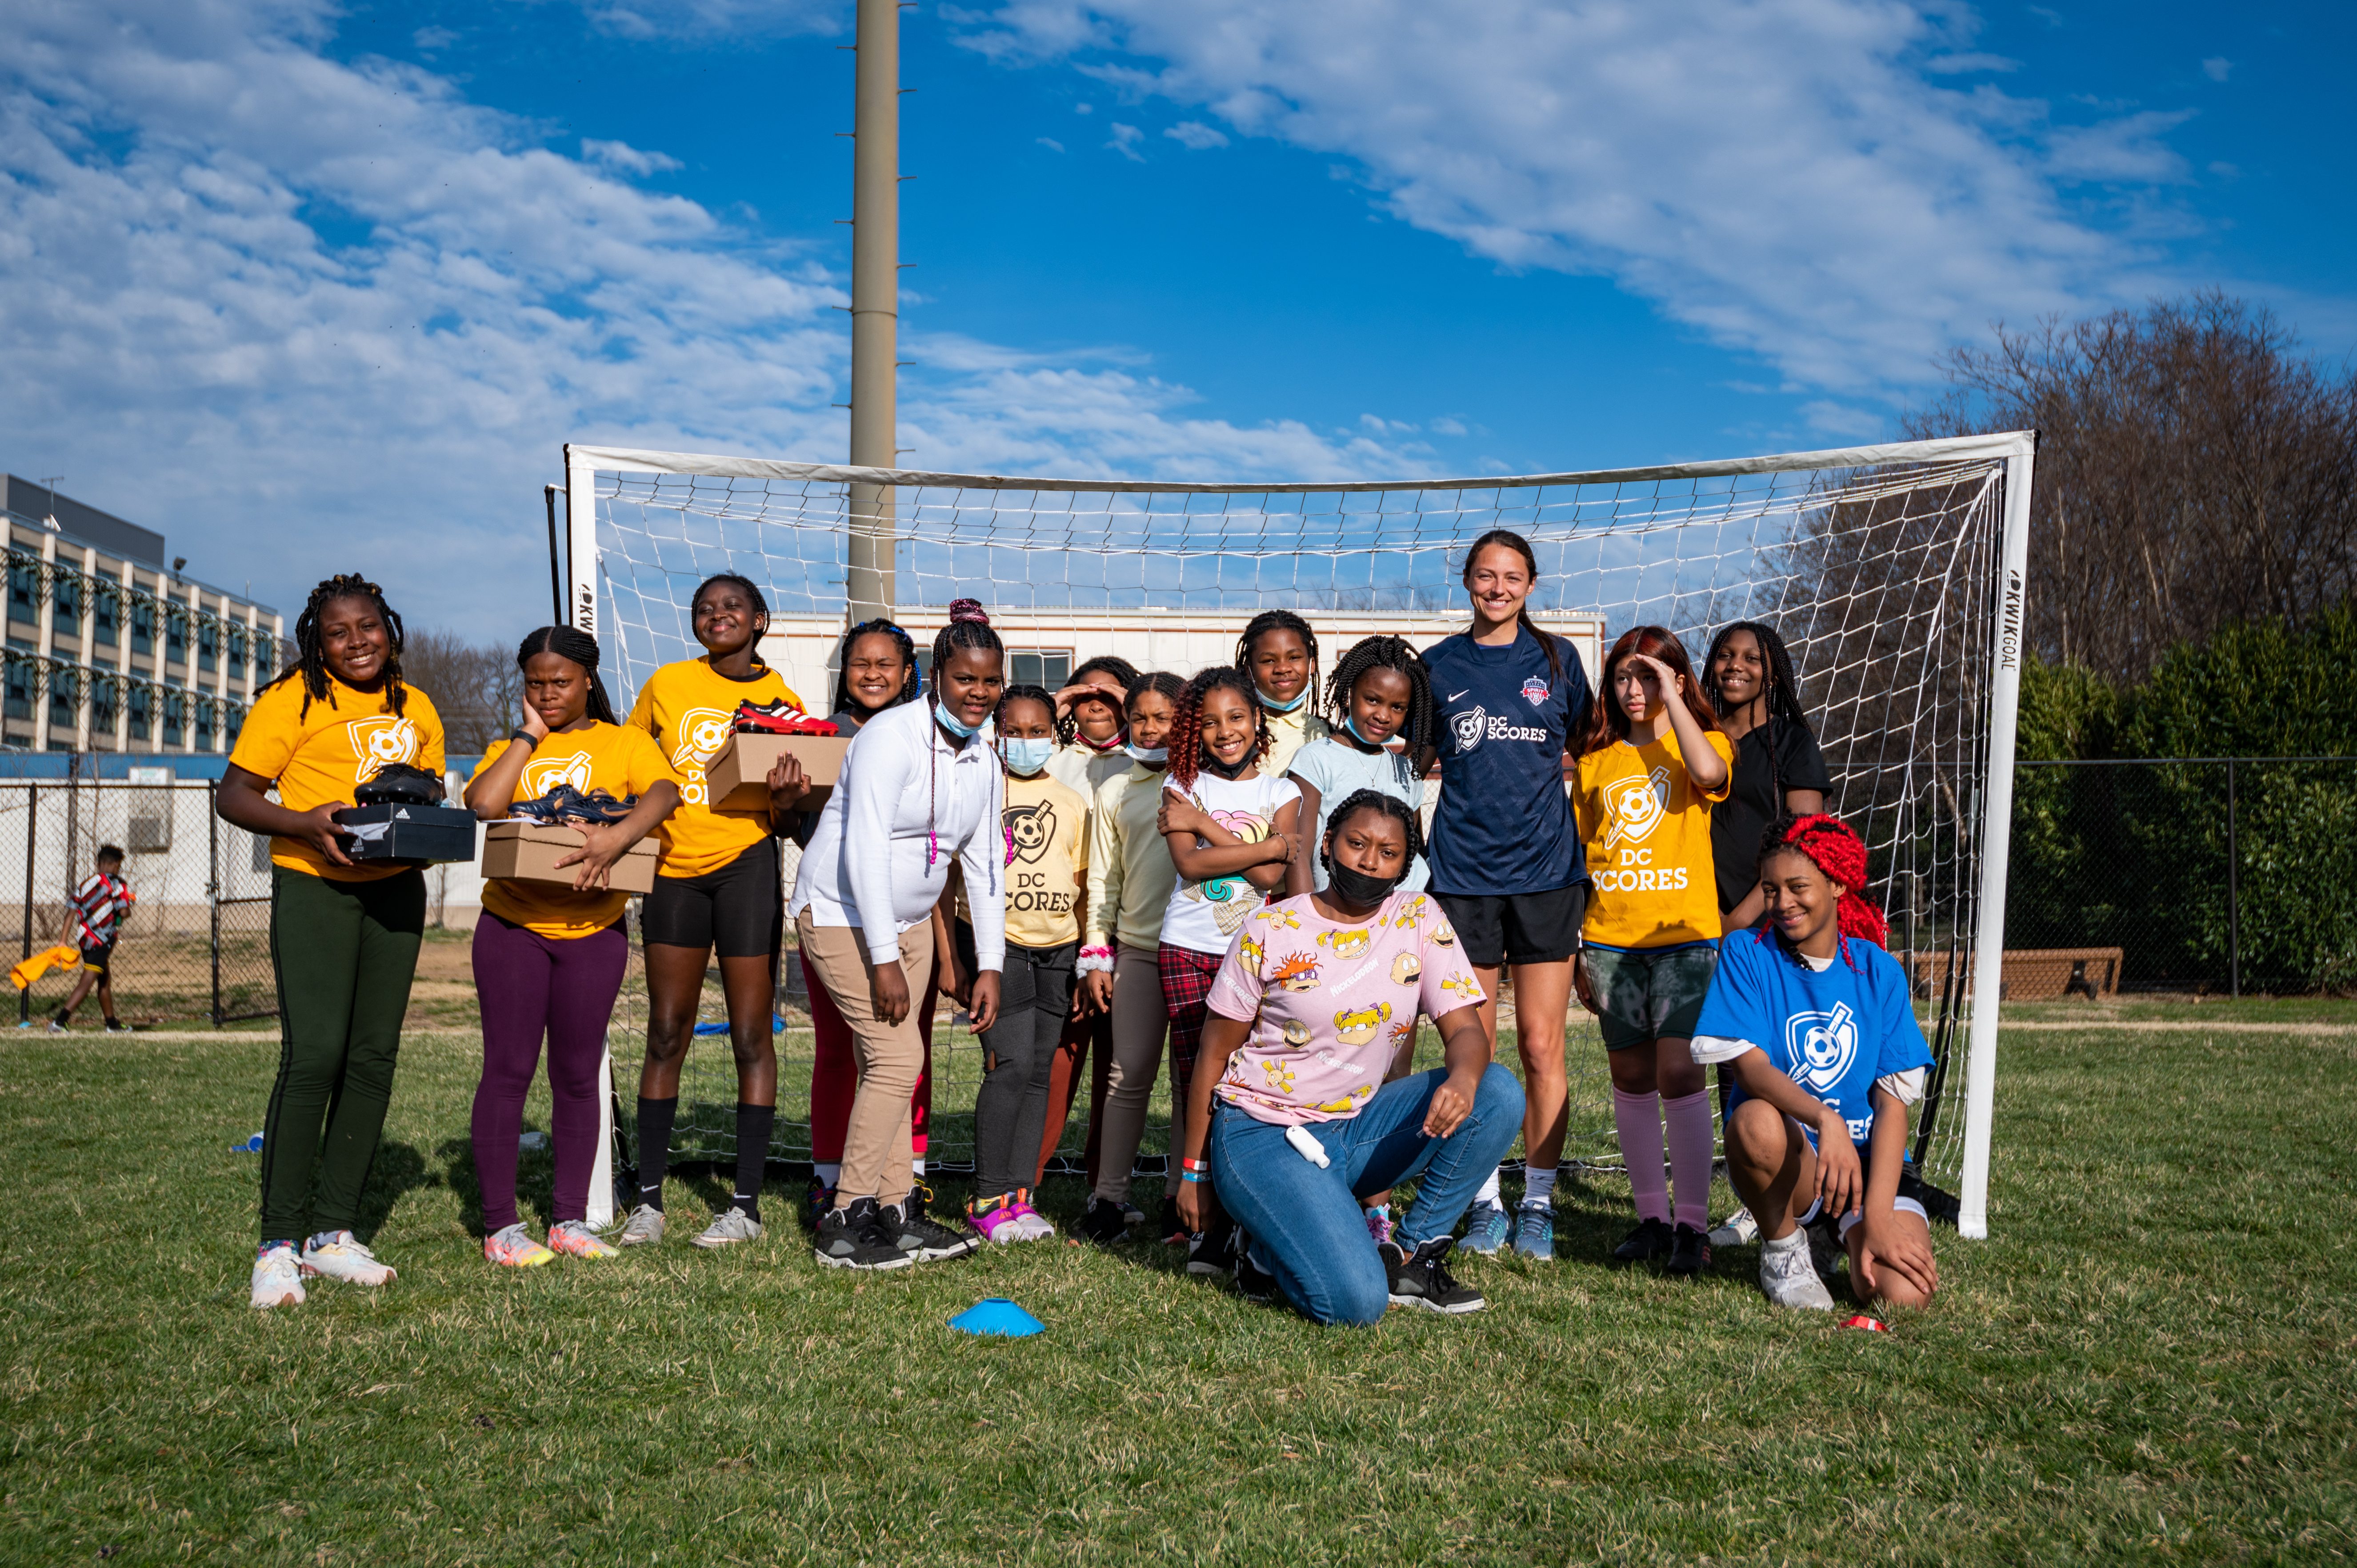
column 1330, row 1003
column 1204, row 916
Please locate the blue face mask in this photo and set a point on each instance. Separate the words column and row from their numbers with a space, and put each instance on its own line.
column 1274, row 706
column 1351, row 723
column 948, row 721
column 1153, row 755
column 1027, row 757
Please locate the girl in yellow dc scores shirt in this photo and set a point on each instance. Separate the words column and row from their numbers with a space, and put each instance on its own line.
column 1654, row 763
column 717, row 891
column 550, row 959
column 343, row 935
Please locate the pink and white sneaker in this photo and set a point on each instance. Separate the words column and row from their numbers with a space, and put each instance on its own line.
column 513, row 1248
column 1036, row 1227
column 1000, row 1222
column 575, row 1240
column 277, row 1276
column 338, row 1255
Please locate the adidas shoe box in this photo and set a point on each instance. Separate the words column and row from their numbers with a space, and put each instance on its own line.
column 739, row 774
column 528, row 852
column 398, row 831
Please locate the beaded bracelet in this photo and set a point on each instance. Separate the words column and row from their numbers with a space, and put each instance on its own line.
column 1193, row 1176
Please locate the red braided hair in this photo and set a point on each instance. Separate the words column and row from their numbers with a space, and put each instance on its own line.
column 1186, row 738
column 1838, row 851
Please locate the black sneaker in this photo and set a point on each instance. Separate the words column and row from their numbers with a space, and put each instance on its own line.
column 1650, row 1241
column 1102, row 1224
column 1173, row 1229
column 1253, row 1282
column 1208, row 1250
column 920, row 1238
column 1422, row 1279
column 1689, row 1251
column 117, row 1026
column 857, row 1237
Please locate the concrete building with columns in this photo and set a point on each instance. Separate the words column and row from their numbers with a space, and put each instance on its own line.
column 111, row 648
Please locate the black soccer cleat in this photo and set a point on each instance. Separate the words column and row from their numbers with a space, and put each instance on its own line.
column 1649, row 1242
column 1689, row 1252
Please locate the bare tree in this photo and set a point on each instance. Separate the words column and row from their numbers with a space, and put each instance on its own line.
column 2195, row 469
column 475, row 687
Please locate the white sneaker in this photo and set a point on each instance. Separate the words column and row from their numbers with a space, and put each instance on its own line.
column 1036, row 1227
column 278, row 1277
column 344, row 1258
column 1738, row 1230
column 57, row 1029
column 730, row 1228
column 644, row 1227
column 1789, row 1278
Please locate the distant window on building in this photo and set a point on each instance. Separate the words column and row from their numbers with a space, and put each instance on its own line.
column 105, row 614
column 24, row 587
column 65, row 608
column 208, row 646
column 176, row 719
column 142, row 707
column 204, row 726
column 103, row 710
column 143, row 628
column 1048, row 667
column 20, row 701
column 233, row 721
column 175, row 639
column 65, row 699
column 237, row 653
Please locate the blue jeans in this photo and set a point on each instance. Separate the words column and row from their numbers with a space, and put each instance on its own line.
column 1305, row 1222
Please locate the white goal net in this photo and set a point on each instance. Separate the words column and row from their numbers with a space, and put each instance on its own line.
column 1893, row 574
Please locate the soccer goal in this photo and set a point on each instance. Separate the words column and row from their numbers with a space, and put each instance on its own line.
column 1893, row 572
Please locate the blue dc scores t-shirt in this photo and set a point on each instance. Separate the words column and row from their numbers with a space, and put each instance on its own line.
column 1832, row 1031
column 1505, row 824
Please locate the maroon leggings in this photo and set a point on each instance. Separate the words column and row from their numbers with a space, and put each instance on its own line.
column 529, row 984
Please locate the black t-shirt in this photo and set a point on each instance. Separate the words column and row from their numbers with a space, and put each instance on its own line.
column 1739, row 822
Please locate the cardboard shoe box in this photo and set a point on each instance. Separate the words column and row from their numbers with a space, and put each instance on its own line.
column 528, row 852
column 408, row 832
column 739, row 774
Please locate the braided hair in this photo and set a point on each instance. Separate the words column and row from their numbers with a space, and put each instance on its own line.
column 1783, row 694
column 1260, row 626
column 1834, row 846
column 311, row 647
column 910, row 683
column 1186, row 725
column 968, row 627
column 569, row 642
column 1510, row 540
column 752, row 592
column 1391, row 806
column 1021, row 692
column 1125, row 675
column 1423, row 726
column 1157, row 681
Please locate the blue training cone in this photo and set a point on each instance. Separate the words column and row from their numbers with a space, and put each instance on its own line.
column 997, row 1315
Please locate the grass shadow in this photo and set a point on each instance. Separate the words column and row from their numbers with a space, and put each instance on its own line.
column 399, row 1170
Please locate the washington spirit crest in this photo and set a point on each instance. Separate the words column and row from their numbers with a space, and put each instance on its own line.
column 1534, row 691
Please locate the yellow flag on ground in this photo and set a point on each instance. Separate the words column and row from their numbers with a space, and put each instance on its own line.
column 40, row 964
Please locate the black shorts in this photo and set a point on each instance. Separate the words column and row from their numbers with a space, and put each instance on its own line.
column 98, row 960
column 1517, row 927
column 738, row 911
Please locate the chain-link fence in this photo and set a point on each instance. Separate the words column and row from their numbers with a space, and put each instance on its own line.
column 2228, row 874
column 195, row 947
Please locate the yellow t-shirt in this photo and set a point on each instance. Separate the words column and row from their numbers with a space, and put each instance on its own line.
column 615, row 758
column 688, row 710
column 1288, row 733
column 1647, row 829
column 1047, row 828
column 326, row 753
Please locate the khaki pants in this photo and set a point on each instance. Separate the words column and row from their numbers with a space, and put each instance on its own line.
column 1140, row 1026
column 877, row 1148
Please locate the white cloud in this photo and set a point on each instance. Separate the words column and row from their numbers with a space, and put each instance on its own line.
column 1050, row 142
column 2217, row 67
column 1446, row 426
column 624, row 158
column 1124, row 140
column 1785, row 178
column 311, row 316
column 431, row 39
column 706, row 18
column 1966, row 64
column 1195, row 135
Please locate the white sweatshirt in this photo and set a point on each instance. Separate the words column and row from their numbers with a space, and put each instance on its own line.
column 866, row 865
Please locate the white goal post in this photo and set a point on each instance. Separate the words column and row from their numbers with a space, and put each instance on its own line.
column 1895, row 573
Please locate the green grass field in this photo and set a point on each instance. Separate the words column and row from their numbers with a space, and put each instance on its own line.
column 2151, row 1359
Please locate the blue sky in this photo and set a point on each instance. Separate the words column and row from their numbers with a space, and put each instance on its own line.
column 295, row 281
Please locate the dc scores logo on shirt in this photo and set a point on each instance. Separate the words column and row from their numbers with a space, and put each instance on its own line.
column 1469, row 727
column 1534, row 691
column 385, row 741
column 1636, row 807
column 701, row 732
column 1477, row 724
column 543, row 774
column 1821, row 1047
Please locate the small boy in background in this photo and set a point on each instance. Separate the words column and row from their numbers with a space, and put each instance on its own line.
column 99, row 906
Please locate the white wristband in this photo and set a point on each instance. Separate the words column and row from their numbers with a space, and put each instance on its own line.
column 1093, row 965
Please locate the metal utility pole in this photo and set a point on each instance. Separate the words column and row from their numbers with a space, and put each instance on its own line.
column 875, row 301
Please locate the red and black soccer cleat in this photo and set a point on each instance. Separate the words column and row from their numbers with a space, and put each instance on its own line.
column 779, row 717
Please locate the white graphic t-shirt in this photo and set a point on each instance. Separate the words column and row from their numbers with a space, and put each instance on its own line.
column 1204, row 916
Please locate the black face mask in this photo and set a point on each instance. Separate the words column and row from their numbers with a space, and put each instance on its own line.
column 1225, row 769
column 1356, row 889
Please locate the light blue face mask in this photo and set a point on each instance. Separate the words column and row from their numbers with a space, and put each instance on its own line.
column 1351, row 723
column 948, row 721
column 1027, row 757
column 1152, row 755
column 1274, row 706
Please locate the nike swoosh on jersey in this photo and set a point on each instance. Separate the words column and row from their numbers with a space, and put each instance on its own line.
column 1454, row 695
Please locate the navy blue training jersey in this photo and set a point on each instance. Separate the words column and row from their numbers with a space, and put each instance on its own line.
column 1505, row 824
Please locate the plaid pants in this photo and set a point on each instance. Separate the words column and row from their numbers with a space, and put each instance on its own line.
column 1187, row 977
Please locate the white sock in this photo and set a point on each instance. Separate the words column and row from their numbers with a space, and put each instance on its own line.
column 918, row 1166
column 828, row 1172
column 1489, row 1193
column 1799, row 1238
column 1538, row 1186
